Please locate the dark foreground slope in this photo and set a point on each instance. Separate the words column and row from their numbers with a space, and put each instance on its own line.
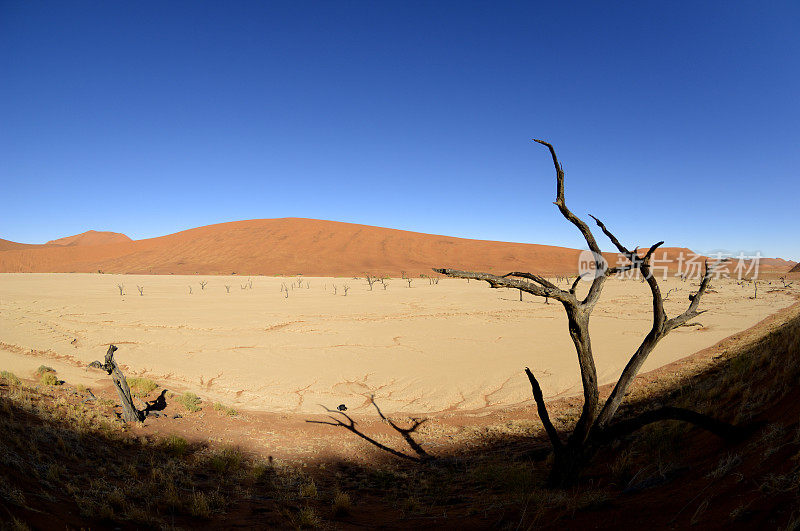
column 66, row 461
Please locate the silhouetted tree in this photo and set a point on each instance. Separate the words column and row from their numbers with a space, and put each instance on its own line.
column 595, row 425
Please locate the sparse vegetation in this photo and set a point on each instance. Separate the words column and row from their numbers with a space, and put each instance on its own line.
column 496, row 479
column 10, row 378
column 141, row 387
column 190, row 401
column 225, row 410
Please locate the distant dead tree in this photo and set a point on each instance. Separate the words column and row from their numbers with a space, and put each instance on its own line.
column 349, row 424
column 227, row 288
column 284, row 290
column 141, row 290
column 190, row 290
column 371, row 280
column 409, row 279
column 755, row 293
column 203, row 284
column 129, row 412
column 121, row 288
column 334, row 289
column 346, row 288
column 383, row 281
column 595, row 426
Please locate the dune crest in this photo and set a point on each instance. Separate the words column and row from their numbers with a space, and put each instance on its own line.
column 91, row 237
column 290, row 246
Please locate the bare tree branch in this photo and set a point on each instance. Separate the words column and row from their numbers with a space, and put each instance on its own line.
column 504, row 282
column 555, row 440
column 562, row 205
column 661, row 327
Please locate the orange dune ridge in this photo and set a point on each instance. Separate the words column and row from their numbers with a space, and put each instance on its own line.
column 91, row 237
column 292, row 246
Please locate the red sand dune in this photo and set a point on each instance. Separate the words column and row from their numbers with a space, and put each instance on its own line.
column 91, row 237
column 291, row 246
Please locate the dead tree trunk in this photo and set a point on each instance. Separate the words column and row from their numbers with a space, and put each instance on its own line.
column 129, row 411
column 594, row 426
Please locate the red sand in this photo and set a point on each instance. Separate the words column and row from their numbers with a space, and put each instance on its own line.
column 292, row 246
column 91, row 237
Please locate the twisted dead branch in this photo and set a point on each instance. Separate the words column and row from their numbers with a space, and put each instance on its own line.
column 594, row 426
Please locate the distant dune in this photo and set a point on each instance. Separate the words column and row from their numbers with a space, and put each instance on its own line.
column 290, row 246
column 91, row 237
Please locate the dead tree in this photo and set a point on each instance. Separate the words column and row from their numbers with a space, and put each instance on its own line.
column 409, row 279
column 129, row 411
column 141, row 290
column 596, row 425
column 346, row 288
column 121, row 288
column 406, row 433
column 190, row 290
column 371, row 280
column 203, row 284
column 227, row 289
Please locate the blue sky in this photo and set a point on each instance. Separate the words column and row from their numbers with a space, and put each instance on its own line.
column 674, row 121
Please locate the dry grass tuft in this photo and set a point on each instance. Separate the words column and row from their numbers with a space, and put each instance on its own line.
column 225, row 410
column 10, row 378
column 190, row 401
column 141, row 387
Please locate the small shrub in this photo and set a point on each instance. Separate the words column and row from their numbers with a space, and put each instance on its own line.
column 141, row 386
column 222, row 408
column 10, row 378
column 199, row 506
column 308, row 490
column 176, row 445
column 228, row 459
column 341, row 504
column 190, row 401
column 49, row 378
column 308, row 518
column 43, row 369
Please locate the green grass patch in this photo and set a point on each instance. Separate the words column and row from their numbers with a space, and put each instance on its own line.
column 44, row 369
column 10, row 378
column 141, row 387
column 190, row 401
column 222, row 408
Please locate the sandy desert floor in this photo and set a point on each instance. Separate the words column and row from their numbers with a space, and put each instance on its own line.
column 453, row 346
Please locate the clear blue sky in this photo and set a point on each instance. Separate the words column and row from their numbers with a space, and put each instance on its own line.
column 674, row 120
